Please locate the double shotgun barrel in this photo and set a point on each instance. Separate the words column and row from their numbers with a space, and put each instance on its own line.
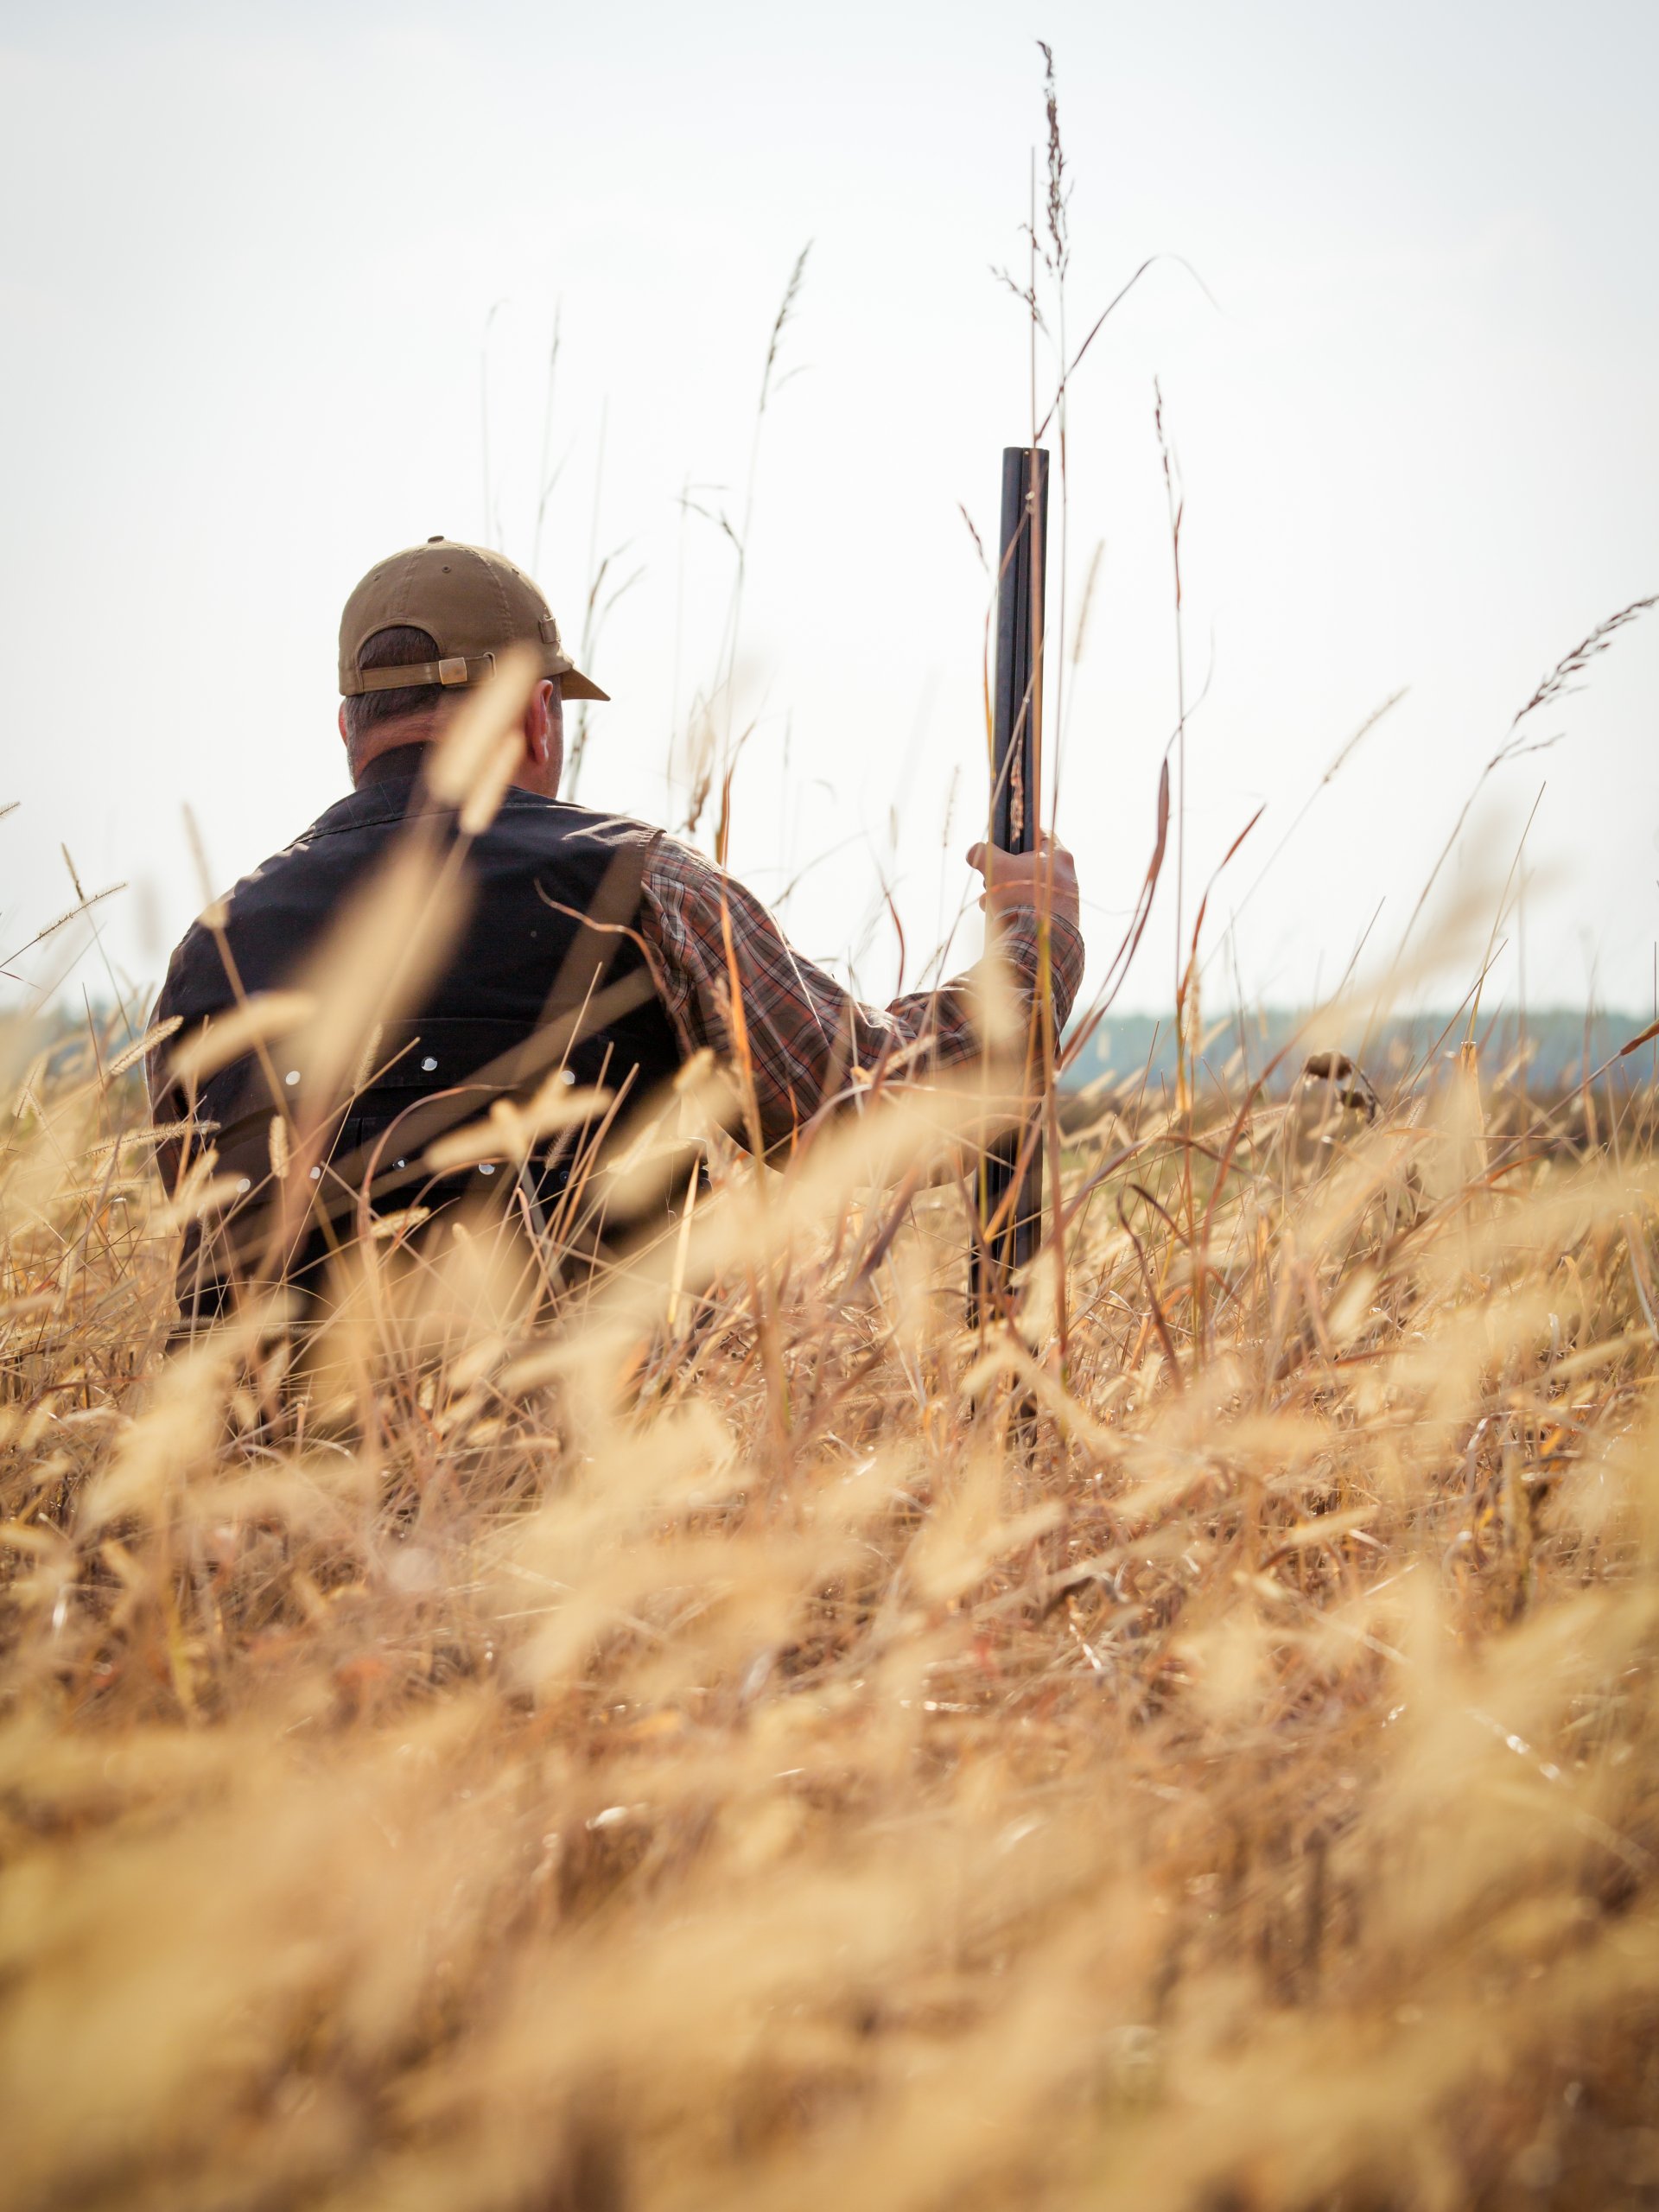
column 1010, row 1179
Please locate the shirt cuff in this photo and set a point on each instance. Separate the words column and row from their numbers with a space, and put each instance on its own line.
column 1021, row 946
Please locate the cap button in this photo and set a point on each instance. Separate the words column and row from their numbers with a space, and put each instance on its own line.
column 438, row 540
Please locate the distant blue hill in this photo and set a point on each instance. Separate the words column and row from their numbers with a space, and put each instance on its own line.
column 1130, row 1047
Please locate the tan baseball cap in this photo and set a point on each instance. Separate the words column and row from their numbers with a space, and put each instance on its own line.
column 472, row 602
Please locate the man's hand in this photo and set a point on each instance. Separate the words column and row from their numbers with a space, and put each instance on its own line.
column 1046, row 878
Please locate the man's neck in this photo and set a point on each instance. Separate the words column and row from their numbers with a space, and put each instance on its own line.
column 403, row 761
column 398, row 764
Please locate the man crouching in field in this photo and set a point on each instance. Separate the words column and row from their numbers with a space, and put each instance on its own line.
column 584, row 949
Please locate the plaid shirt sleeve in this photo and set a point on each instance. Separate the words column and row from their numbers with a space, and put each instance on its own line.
column 807, row 1037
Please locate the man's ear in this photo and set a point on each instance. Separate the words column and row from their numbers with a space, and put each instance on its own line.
column 340, row 718
column 537, row 720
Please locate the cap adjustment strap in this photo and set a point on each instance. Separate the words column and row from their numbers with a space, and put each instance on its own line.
column 454, row 668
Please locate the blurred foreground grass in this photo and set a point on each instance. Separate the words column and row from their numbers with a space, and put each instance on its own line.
column 683, row 1749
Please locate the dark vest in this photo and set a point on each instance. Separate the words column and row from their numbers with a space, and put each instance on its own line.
column 546, row 970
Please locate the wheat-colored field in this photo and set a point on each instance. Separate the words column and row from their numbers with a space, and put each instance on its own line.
column 736, row 1735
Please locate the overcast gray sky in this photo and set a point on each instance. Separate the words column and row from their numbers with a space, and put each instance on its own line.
column 267, row 274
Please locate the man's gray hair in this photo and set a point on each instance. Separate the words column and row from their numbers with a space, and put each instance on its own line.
column 369, row 710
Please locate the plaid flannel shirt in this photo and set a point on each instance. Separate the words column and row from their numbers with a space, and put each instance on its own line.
column 807, row 1037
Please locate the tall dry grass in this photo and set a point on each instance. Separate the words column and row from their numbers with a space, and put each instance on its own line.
column 693, row 1742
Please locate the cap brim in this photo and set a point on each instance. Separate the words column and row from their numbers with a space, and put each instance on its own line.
column 572, row 685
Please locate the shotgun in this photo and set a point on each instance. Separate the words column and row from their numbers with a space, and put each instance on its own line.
column 1010, row 1220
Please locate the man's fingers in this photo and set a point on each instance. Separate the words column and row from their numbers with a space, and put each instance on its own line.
column 991, row 860
column 1046, row 878
column 1048, row 848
